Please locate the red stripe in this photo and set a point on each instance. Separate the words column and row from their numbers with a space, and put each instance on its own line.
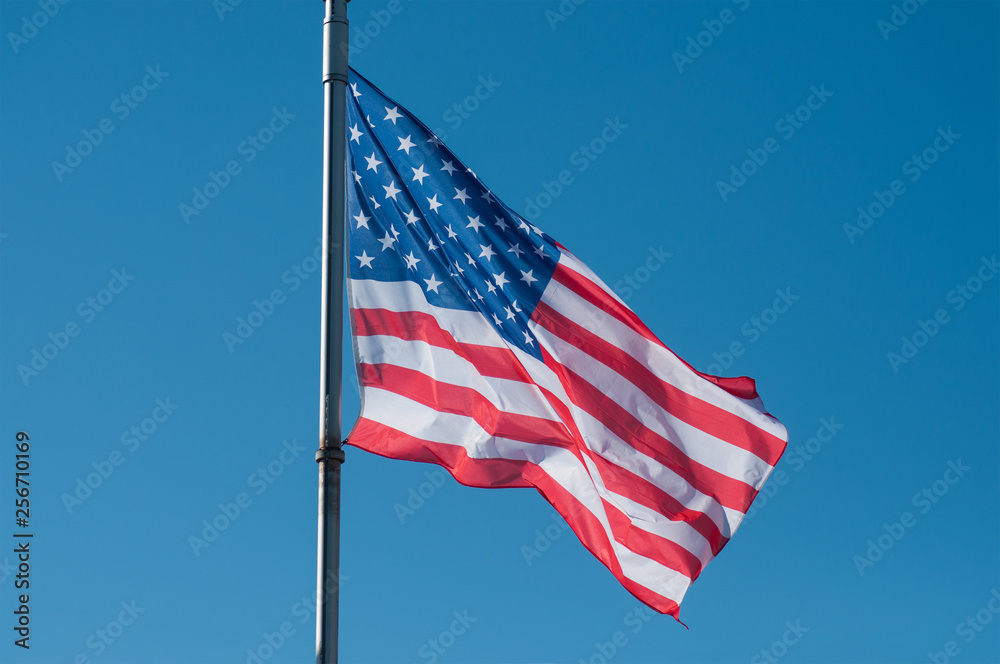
column 418, row 326
column 665, row 551
column 726, row 490
column 498, row 473
column 625, row 483
column 742, row 387
column 702, row 415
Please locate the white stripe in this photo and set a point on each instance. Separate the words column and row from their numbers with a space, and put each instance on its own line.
column 609, row 446
column 659, row 359
column 561, row 465
column 644, row 518
column 719, row 455
column 446, row 366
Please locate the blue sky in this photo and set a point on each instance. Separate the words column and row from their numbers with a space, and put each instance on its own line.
column 902, row 446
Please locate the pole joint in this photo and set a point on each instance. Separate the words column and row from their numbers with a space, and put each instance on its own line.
column 330, row 454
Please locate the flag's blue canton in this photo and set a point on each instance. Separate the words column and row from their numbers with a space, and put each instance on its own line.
column 416, row 213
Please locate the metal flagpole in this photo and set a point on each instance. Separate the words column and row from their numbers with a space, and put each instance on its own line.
column 330, row 455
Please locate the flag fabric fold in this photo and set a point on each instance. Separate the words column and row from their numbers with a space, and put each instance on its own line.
column 485, row 346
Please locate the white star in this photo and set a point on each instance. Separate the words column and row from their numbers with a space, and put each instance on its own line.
column 527, row 278
column 459, row 267
column 419, row 174
column 411, row 218
column 374, row 202
column 451, row 234
column 395, row 233
column 536, row 229
column 478, row 296
column 357, row 178
column 488, row 197
column 527, row 339
column 366, row 260
column 510, row 314
column 433, row 202
column 490, row 288
column 469, row 171
column 460, row 195
column 387, row 241
column 368, row 119
column 373, row 163
column 362, row 220
column 355, row 134
column 430, row 245
column 487, row 252
column 474, row 223
column 432, row 284
column 516, row 250
column 501, row 280
column 496, row 320
column 472, row 261
column 411, row 261
column 448, row 166
column 524, row 225
column 516, row 308
column 391, row 191
column 540, row 250
column 405, row 144
column 354, row 89
column 500, row 223
column 393, row 114
column 434, row 140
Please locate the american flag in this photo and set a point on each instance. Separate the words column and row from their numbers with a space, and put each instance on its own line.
column 485, row 346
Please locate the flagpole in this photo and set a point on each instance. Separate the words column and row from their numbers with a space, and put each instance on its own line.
column 330, row 455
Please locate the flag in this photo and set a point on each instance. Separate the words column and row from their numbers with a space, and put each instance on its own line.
column 485, row 346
